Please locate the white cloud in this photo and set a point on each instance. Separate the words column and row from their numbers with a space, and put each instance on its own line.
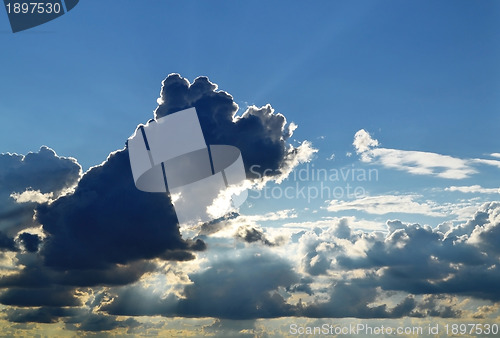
column 420, row 163
column 301, row 154
column 32, row 196
column 385, row 204
column 417, row 162
column 474, row 189
column 494, row 163
column 495, row 155
column 363, row 141
column 327, row 222
column 270, row 216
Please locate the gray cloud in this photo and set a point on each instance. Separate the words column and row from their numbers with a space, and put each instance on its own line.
column 44, row 172
column 260, row 133
column 250, row 234
column 105, row 232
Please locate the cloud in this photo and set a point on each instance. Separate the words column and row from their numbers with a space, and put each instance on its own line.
column 40, row 315
column 261, row 134
column 50, row 296
column 32, row 196
column 256, row 234
column 493, row 163
column 385, row 204
column 422, row 260
column 100, row 322
column 7, row 243
column 356, row 300
column 99, row 231
column 342, row 273
column 30, row 241
column 218, row 291
column 416, row 162
column 26, row 180
column 474, row 189
column 244, row 287
column 363, row 141
column 108, row 221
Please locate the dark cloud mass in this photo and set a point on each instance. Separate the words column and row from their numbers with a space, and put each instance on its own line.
column 106, row 232
column 30, row 241
column 44, row 172
column 252, row 235
column 7, row 243
column 107, row 220
column 260, row 133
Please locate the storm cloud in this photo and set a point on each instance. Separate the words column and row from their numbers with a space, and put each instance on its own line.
column 261, row 134
column 98, row 230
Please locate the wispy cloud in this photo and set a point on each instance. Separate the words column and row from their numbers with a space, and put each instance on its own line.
column 416, row 162
column 385, row 204
column 474, row 189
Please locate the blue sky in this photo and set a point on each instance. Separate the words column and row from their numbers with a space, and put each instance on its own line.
column 409, row 89
column 407, row 69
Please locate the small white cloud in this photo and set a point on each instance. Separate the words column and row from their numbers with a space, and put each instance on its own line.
column 331, row 157
column 363, row 141
column 291, row 128
column 384, row 204
column 497, row 155
column 474, row 189
column 348, row 154
column 32, row 196
column 494, row 163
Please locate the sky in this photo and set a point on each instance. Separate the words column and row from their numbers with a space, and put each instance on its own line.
column 369, row 134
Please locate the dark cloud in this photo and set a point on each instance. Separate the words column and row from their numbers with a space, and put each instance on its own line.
column 30, row 241
column 355, row 300
column 7, row 243
column 422, row 260
column 36, row 276
column 49, row 296
column 239, row 290
column 252, row 234
column 260, row 133
column 233, row 328
column 107, row 220
column 100, row 322
column 106, row 232
column 242, row 288
column 44, row 172
column 40, row 315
